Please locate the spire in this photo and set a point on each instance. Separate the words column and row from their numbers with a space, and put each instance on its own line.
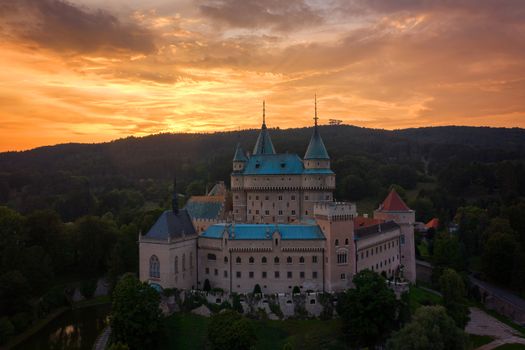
column 239, row 154
column 316, row 148
column 264, row 142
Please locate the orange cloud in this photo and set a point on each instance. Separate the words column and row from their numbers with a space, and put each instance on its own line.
column 83, row 74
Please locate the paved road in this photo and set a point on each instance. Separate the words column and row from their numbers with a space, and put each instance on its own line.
column 482, row 323
column 102, row 340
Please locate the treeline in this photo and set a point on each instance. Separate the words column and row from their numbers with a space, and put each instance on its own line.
column 41, row 258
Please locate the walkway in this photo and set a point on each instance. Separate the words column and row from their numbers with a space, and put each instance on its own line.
column 102, row 340
column 482, row 323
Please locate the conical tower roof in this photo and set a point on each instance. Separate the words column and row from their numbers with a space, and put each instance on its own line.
column 316, row 148
column 239, row 154
column 264, row 143
column 393, row 202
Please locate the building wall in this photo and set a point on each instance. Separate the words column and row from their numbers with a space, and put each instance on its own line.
column 219, row 264
column 379, row 252
column 406, row 221
column 184, row 250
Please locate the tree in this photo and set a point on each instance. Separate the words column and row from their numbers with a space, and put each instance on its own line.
column 207, row 286
column 454, row 292
column 447, row 254
column 6, row 329
column 430, row 329
column 368, row 311
column 230, row 330
column 135, row 314
column 257, row 289
column 498, row 257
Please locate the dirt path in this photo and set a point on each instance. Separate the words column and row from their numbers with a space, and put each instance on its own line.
column 482, row 323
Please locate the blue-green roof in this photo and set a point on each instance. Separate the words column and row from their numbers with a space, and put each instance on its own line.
column 239, row 155
column 279, row 164
column 264, row 143
column 204, row 209
column 264, row 231
column 316, row 148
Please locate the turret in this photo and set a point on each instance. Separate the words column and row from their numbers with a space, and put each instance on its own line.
column 316, row 156
column 239, row 159
column 264, row 142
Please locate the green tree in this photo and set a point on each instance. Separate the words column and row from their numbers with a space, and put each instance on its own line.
column 368, row 311
column 447, row 253
column 453, row 289
column 430, row 329
column 257, row 289
column 230, row 330
column 499, row 256
column 135, row 313
column 207, row 286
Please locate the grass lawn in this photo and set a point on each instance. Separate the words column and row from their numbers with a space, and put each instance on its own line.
column 479, row 340
column 188, row 331
column 511, row 347
column 419, row 296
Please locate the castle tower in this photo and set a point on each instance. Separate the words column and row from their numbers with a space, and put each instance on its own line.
column 336, row 222
column 239, row 196
column 264, row 143
column 395, row 209
column 316, row 156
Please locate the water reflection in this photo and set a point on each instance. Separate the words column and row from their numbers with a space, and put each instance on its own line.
column 74, row 329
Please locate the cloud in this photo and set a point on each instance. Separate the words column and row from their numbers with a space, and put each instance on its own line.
column 63, row 27
column 269, row 14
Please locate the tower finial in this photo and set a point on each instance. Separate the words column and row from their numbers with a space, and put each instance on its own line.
column 315, row 102
column 264, row 112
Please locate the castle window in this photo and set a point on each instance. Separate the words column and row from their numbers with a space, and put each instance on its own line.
column 314, row 275
column 176, row 264
column 342, row 257
column 293, row 212
column 283, row 165
column 236, row 197
column 183, row 262
column 276, row 260
column 212, row 257
column 154, row 267
column 251, row 274
column 252, row 260
column 301, row 274
column 249, row 197
column 225, row 274
column 327, row 197
column 336, row 242
column 293, row 198
column 267, row 198
column 306, row 197
column 346, row 241
column 280, row 212
column 191, row 260
column 257, row 165
column 256, row 198
column 280, row 198
column 314, row 259
column 257, row 212
column 306, row 212
column 267, row 212
column 289, row 274
column 216, row 272
column 264, row 274
column 263, row 260
column 225, row 259
column 238, row 260
column 276, row 241
column 301, row 260
column 238, row 274
column 289, row 260
column 276, row 274
column 249, row 211
column 343, row 276
column 207, row 270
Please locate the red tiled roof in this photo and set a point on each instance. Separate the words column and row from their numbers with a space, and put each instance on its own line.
column 393, row 202
column 361, row 221
column 434, row 223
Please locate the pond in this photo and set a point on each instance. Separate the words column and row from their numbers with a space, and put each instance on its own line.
column 74, row 329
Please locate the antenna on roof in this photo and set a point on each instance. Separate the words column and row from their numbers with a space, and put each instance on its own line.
column 315, row 103
column 264, row 112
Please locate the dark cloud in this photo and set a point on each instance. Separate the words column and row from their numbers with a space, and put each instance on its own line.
column 273, row 14
column 63, row 27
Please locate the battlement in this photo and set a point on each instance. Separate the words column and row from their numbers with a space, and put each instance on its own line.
column 335, row 211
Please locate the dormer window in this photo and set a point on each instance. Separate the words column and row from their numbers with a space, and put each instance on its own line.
column 257, row 166
column 283, row 165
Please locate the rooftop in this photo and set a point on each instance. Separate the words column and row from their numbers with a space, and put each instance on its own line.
column 205, row 207
column 264, row 231
column 393, row 202
column 368, row 231
column 171, row 226
column 279, row 164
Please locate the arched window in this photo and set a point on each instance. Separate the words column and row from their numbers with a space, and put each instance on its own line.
column 346, row 241
column 276, row 260
column 154, row 267
column 238, row 260
column 301, row 260
column 263, row 260
column 342, row 257
column 336, row 242
column 183, row 262
column 176, row 264
column 289, row 260
column 251, row 260
column 276, row 241
column 225, row 259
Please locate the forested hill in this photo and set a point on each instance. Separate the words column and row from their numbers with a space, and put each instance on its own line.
column 366, row 161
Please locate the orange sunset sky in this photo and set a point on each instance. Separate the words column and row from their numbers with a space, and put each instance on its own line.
column 96, row 70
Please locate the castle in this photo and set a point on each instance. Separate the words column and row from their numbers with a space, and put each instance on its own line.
column 278, row 227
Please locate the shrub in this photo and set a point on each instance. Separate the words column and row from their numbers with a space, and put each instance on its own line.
column 207, row 286
column 88, row 288
column 276, row 309
column 6, row 329
column 296, row 290
column 257, row 289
